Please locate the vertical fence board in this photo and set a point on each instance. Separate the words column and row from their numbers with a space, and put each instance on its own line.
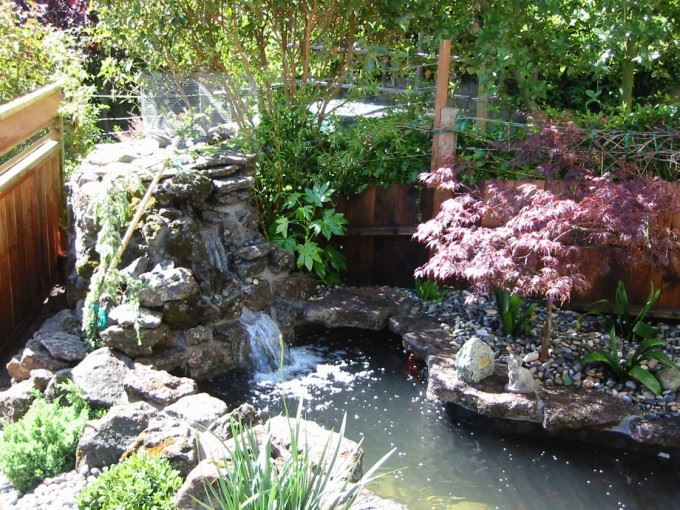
column 30, row 208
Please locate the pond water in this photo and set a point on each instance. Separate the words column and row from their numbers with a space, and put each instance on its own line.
column 442, row 462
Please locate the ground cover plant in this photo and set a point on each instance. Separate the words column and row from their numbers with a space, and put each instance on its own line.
column 43, row 442
column 139, row 482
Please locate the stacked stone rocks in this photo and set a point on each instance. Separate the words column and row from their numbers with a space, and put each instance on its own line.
column 197, row 252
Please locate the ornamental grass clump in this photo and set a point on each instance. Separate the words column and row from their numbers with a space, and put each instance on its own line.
column 254, row 479
column 43, row 443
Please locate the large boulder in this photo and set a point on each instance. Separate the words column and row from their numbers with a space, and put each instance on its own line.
column 172, row 438
column 33, row 357
column 15, row 401
column 167, row 283
column 101, row 376
column 364, row 308
column 245, row 415
column 156, row 387
column 669, row 378
column 127, row 315
column 486, row 398
column 201, row 409
column 131, row 341
column 63, row 346
column 474, row 361
column 317, row 442
column 36, row 356
column 105, row 440
column 196, row 487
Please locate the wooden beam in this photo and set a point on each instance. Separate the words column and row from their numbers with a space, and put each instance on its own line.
column 446, row 147
column 25, row 117
column 442, row 95
column 380, row 231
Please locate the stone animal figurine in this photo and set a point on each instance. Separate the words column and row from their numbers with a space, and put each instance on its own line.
column 520, row 379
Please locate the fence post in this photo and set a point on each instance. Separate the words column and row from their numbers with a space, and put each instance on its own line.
column 443, row 138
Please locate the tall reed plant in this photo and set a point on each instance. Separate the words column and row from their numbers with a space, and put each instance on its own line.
column 253, row 479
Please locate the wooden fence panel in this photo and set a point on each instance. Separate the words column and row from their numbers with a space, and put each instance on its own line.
column 30, row 208
column 378, row 246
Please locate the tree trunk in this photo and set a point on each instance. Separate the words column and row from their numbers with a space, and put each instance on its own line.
column 544, row 354
column 628, row 77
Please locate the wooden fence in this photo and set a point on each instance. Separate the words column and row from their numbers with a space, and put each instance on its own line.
column 30, row 207
column 379, row 249
column 378, row 245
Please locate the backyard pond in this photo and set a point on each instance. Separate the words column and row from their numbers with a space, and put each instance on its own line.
column 441, row 462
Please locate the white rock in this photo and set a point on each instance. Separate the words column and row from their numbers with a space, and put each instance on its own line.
column 530, row 357
column 201, row 409
column 474, row 361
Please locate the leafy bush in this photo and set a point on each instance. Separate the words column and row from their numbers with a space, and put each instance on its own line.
column 33, row 55
column 306, row 228
column 140, row 482
column 627, row 367
column 514, row 314
column 256, row 480
column 429, row 290
column 376, row 151
column 43, row 443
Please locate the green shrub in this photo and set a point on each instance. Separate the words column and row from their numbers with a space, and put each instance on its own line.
column 43, row 443
column 33, row 55
column 140, row 482
column 305, row 228
column 630, row 366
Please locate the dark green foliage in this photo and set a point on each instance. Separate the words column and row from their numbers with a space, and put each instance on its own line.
column 515, row 315
column 295, row 146
column 629, row 367
column 429, row 290
column 139, row 482
column 627, row 325
column 306, row 227
column 43, row 443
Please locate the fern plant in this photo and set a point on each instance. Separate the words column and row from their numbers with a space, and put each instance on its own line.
column 630, row 367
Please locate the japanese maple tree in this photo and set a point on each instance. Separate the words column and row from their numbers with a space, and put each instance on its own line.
column 544, row 238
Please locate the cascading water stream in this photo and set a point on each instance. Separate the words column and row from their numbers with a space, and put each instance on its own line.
column 268, row 352
column 273, row 362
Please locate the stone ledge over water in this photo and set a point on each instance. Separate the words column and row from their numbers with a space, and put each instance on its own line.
column 565, row 412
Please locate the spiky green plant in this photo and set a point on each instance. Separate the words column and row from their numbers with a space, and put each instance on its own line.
column 630, row 366
column 254, row 480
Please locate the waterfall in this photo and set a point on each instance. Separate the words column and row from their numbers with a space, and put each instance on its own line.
column 267, row 349
column 216, row 251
